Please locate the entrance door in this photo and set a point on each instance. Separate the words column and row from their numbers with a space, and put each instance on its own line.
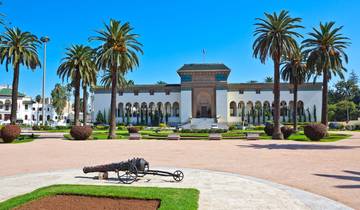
column 204, row 111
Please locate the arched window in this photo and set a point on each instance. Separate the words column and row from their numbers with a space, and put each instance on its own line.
column 283, row 108
column 300, row 107
column 136, row 109
column 151, row 107
column 26, row 117
column 176, row 111
column 232, row 109
column 128, row 109
column 7, row 105
column 120, row 109
column 168, row 108
column 160, row 107
column 40, row 118
column 48, row 117
column 249, row 105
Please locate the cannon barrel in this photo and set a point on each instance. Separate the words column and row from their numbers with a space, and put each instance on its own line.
column 140, row 164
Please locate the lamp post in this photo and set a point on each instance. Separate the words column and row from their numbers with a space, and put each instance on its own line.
column 44, row 40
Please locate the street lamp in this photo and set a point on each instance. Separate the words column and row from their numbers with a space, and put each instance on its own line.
column 44, row 39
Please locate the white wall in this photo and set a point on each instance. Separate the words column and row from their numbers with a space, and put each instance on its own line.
column 185, row 105
column 221, row 105
column 309, row 97
column 102, row 101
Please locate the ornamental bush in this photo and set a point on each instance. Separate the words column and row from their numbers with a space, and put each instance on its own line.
column 10, row 132
column 81, row 132
column 269, row 129
column 315, row 132
column 133, row 129
column 287, row 131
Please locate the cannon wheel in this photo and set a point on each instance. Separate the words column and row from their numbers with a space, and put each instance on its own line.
column 178, row 176
column 143, row 173
column 128, row 176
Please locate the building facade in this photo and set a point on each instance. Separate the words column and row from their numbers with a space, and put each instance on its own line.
column 204, row 97
column 29, row 112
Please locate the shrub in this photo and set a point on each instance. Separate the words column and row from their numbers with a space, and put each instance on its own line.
column 259, row 127
column 232, row 127
column 101, row 127
column 315, row 132
column 133, row 129
column 10, row 132
column 269, row 129
column 121, row 127
column 81, row 132
column 162, row 125
column 287, row 131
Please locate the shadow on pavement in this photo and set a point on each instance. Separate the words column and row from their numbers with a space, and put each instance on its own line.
column 355, row 178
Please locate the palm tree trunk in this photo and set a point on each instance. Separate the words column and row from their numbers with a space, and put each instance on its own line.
column 277, row 132
column 84, row 104
column 295, row 106
column 324, row 111
column 77, row 100
column 14, row 94
column 112, row 127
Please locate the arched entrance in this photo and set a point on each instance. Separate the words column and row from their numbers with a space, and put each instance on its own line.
column 203, row 103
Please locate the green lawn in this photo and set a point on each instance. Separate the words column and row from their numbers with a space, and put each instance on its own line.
column 171, row 198
column 332, row 137
column 23, row 139
column 233, row 134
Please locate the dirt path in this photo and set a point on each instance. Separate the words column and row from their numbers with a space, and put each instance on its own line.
column 328, row 169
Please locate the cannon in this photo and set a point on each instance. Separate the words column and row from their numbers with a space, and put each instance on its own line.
column 128, row 171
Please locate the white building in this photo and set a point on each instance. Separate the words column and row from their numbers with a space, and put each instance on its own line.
column 204, row 97
column 29, row 112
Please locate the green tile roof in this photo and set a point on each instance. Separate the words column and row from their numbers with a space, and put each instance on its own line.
column 7, row 92
column 204, row 67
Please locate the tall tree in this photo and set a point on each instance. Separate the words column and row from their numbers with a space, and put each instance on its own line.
column 268, row 80
column 75, row 66
column 38, row 100
column 88, row 80
column 160, row 82
column 59, row 98
column 294, row 70
column 275, row 38
column 18, row 48
column 325, row 50
column 118, row 52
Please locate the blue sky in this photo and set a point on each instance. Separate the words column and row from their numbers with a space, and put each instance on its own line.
column 173, row 32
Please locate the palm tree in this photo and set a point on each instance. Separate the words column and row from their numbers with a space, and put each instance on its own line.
column 117, row 52
column 275, row 39
column 268, row 80
column 294, row 70
column 88, row 80
column 325, row 51
column 18, row 48
column 77, row 65
column 122, row 81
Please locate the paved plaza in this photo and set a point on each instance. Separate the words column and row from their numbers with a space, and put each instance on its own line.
column 327, row 169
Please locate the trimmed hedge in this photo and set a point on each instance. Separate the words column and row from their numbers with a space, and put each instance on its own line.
column 315, row 132
column 133, row 129
column 287, row 131
column 81, row 132
column 10, row 132
column 269, row 129
column 217, row 130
